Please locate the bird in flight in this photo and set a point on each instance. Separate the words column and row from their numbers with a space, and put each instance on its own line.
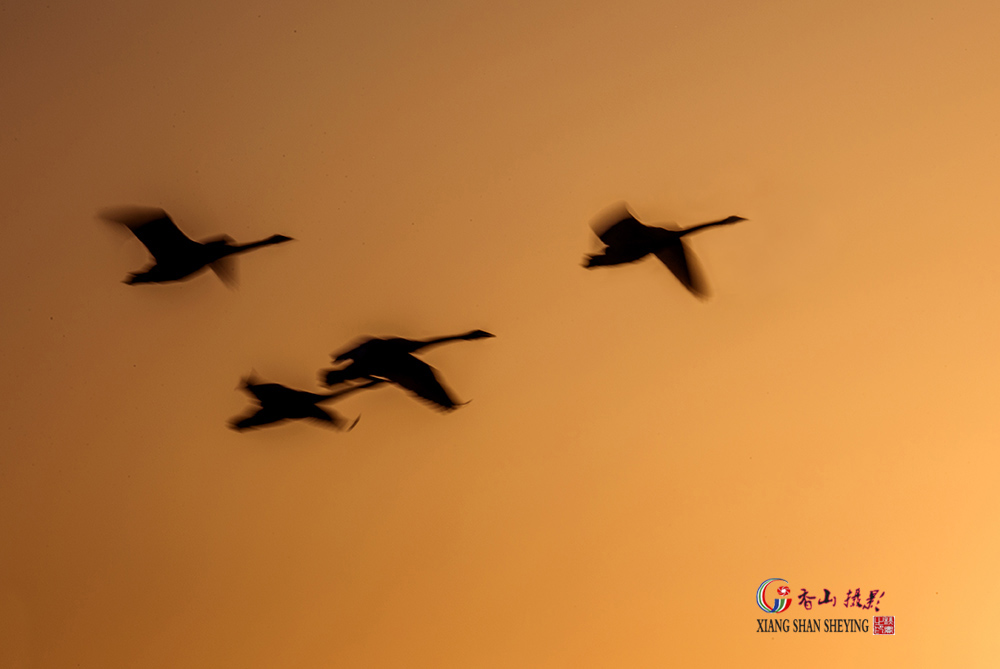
column 278, row 403
column 178, row 257
column 392, row 359
column 627, row 240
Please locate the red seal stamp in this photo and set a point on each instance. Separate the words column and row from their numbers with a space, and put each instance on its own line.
column 884, row 625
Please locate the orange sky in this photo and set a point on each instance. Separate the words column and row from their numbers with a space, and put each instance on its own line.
column 634, row 463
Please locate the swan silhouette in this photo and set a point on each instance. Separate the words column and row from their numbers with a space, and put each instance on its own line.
column 178, row 257
column 279, row 403
column 392, row 359
column 628, row 240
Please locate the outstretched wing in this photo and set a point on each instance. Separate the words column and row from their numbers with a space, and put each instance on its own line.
column 261, row 417
column 418, row 377
column 225, row 269
column 155, row 230
column 360, row 348
column 349, row 390
column 618, row 227
column 684, row 266
column 332, row 418
column 625, row 232
column 270, row 392
column 333, row 377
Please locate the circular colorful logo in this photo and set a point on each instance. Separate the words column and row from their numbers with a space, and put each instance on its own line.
column 781, row 603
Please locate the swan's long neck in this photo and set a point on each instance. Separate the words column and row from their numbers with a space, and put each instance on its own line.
column 243, row 248
column 443, row 340
column 465, row 336
column 726, row 221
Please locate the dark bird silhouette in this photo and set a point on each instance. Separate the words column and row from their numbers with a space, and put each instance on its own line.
column 178, row 257
column 278, row 403
column 628, row 240
column 392, row 359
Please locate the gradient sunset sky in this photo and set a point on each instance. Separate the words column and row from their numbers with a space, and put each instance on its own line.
column 634, row 461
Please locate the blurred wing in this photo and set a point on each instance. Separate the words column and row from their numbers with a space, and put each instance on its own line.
column 126, row 218
column 161, row 236
column 131, row 217
column 349, row 390
column 333, row 377
column 250, row 379
column 622, row 233
column 316, row 413
column 684, row 266
column 225, row 269
column 262, row 417
column 270, row 392
column 360, row 348
column 418, row 377
column 619, row 227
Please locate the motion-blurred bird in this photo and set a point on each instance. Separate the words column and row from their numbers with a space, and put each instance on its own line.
column 278, row 403
column 628, row 240
column 177, row 257
column 392, row 359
